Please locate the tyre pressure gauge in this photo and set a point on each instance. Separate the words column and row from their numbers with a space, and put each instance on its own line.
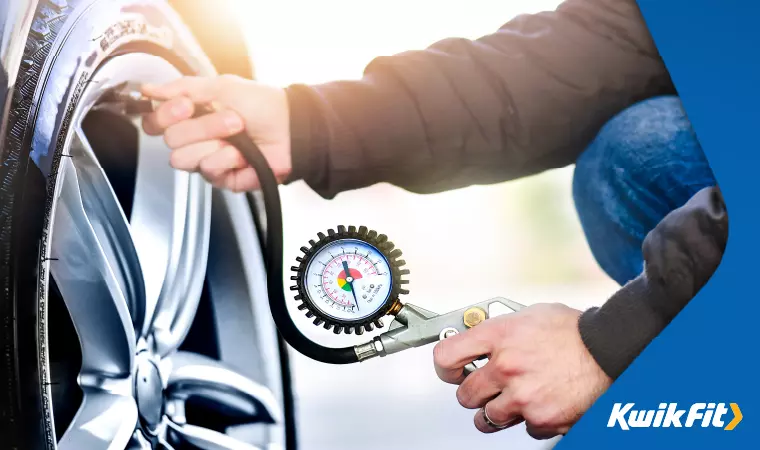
column 349, row 279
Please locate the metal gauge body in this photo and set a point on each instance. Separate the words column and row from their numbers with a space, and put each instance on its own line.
column 349, row 279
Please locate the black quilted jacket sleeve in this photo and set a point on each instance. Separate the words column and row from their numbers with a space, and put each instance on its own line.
column 680, row 255
column 526, row 98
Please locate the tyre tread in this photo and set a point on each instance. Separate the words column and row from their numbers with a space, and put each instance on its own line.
column 47, row 22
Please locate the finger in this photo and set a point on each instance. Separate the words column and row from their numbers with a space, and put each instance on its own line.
column 219, row 181
column 539, row 433
column 217, row 163
column 168, row 114
column 242, row 180
column 501, row 411
column 189, row 157
column 452, row 354
column 218, row 125
column 235, row 180
column 478, row 388
column 197, row 89
column 248, row 180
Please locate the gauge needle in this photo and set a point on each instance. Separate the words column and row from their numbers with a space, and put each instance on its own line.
column 350, row 281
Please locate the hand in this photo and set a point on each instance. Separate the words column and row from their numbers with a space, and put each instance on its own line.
column 198, row 143
column 538, row 370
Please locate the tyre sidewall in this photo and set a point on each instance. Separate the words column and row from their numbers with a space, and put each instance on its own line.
column 87, row 32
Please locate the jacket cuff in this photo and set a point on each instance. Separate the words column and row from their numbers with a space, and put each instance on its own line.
column 308, row 138
column 617, row 332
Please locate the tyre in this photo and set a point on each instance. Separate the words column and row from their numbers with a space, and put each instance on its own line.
column 133, row 306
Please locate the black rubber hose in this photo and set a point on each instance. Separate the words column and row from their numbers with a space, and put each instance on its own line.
column 273, row 255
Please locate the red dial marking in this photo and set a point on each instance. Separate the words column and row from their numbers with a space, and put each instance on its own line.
column 330, row 277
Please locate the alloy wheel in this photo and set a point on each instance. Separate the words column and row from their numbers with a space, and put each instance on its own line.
column 130, row 270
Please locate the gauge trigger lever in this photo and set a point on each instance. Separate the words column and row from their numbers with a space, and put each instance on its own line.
column 414, row 327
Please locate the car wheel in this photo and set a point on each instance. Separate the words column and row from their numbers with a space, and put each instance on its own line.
column 133, row 307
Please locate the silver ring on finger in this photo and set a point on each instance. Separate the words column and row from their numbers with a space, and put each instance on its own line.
column 490, row 422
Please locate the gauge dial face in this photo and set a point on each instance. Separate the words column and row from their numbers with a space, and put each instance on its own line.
column 348, row 279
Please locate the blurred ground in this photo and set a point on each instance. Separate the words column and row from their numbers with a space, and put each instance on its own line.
column 523, row 235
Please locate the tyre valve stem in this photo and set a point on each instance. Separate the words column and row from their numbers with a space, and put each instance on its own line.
column 127, row 98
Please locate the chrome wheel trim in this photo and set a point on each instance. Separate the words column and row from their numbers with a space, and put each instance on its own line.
column 132, row 288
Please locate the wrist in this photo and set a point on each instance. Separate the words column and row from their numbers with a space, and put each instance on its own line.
column 307, row 137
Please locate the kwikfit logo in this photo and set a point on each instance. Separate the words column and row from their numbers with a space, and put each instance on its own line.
column 669, row 415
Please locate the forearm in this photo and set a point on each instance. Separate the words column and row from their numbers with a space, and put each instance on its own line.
column 680, row 256
column 524, row 99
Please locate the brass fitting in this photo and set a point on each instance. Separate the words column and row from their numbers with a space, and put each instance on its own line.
column 395, row 308
column 474, row 316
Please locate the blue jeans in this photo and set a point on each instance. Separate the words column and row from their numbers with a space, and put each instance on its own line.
column 644, row 163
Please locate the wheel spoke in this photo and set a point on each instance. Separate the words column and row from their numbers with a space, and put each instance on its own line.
column 105, row 421
column 206, row 439
column 170, row 225
column 88, row 255
column 100, row 202
column 227, row 391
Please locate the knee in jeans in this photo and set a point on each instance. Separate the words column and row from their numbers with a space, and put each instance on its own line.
column 652, row 135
